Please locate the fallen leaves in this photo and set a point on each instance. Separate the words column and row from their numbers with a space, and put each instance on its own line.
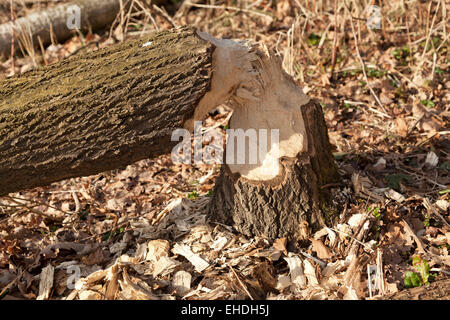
column 395, row 161
column 323, row 252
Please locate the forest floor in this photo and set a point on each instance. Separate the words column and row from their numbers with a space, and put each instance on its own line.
column 141, row 233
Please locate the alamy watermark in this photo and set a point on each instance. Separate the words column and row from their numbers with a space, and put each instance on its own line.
column 248, row 146
column 75, row 276
column 74, row 17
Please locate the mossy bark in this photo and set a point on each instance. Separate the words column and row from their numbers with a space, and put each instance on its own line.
column 101, row 110
column 279, row 207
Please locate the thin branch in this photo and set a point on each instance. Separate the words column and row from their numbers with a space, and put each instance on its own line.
column 364, row 68
column 333, row 59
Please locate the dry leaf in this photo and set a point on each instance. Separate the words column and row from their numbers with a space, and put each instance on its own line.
column 401, row 126
column 323, row 252
column 280, row 245
column 432, row 159
column 95, row 257
column 283, row 282
column 310, row 273
column 394, row 195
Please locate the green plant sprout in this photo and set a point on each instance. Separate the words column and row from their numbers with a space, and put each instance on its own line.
column 420, row 276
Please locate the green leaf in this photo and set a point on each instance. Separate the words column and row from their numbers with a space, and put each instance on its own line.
column 445, row 165
column 411, row 280
column 106, row 236
column 421, row 266
column 193, row 195
column 428, row 103
column 313, row 39
column 376, row 213
column 439, row 71
column 339, row 155
column 371, row 72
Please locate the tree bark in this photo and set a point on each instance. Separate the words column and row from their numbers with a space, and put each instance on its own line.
column 101, row 110
column 93, row 14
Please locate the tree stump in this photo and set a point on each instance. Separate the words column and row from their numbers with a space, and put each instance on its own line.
column 280, row 207
column 284, row 190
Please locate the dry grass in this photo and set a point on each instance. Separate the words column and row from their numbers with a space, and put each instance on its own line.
column 386, row 102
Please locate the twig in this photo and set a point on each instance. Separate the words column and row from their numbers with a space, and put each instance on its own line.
column 264, row 15
column 353, row 238
column 56, row 219
column 422, row 58
column 411, row 233
column 320, row 262
column 333, row 59
column 165, row 15
column 379, row 281
column 364, row 68
column 37, row 202
column 12, row 282
column 241, row 283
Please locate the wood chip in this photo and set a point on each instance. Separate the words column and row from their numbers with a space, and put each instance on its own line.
column 310, row 273
column 172, row 205
column 157, row 249
column 351, row 294
column 164, row 266
column 219, row 244
column 184, row 250
column 46, row 282
column 89, row 295
column 182, row 282
column 112, row 286
column 296, row 271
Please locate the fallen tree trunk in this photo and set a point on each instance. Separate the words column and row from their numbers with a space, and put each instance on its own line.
column 56, row 21
column 101, row 110
column 106, row 109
